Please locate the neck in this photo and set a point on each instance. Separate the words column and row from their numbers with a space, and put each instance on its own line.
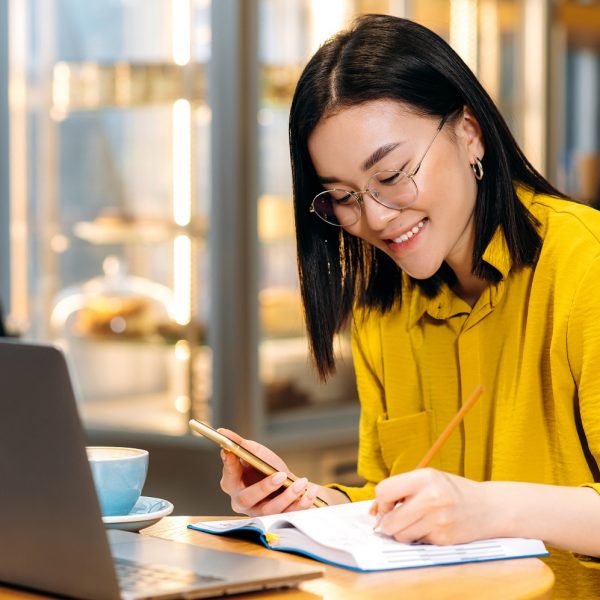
column 469, row 287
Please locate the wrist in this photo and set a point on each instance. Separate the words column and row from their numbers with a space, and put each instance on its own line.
column 499, row 510
column 332, row 496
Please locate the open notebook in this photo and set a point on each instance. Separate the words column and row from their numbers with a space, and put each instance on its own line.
column 343, row 535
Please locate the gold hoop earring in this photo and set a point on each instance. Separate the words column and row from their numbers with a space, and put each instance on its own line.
column 477, row 169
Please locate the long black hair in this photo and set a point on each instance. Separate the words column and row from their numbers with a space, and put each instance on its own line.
column 384, row 57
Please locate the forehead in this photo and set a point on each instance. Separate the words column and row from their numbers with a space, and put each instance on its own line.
column 351, row 134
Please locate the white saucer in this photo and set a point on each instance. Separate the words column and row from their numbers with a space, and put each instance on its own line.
column 146, row 512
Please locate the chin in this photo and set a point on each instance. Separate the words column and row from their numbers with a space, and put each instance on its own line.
column 421, row 273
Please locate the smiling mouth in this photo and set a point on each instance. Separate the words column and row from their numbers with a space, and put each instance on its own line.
column 410, row 233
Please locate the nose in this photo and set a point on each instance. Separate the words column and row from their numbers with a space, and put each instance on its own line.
column 376, row 214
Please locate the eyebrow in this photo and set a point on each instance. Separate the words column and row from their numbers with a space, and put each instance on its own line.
column 380, row 153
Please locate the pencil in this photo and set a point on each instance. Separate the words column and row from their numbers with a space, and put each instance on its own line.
column 452, row 425
column 449, row 429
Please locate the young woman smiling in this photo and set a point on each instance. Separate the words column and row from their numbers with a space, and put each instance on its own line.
column 420, row 222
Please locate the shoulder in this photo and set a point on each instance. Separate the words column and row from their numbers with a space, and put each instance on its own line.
column 366, row 323
column 370, row 325
column 569, row 258
column 569, row 224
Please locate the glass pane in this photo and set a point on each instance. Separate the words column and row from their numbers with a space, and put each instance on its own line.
column 288, row 34
column 577, row 57
column 115, row 200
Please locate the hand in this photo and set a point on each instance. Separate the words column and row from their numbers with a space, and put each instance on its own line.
column 252, row 493
column 432, row 506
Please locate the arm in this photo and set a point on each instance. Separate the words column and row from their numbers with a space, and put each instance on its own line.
column 441, row 508
column 564, row 517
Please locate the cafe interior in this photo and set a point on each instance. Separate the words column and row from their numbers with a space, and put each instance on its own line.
column 146, row 222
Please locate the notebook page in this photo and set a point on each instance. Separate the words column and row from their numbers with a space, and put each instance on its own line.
column 349, row 527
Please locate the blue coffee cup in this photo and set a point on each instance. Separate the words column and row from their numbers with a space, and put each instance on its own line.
column 119, row 475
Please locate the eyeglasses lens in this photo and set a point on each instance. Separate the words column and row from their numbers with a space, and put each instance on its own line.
column 393, row 189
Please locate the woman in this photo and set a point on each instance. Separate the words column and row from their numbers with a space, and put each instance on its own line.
column 420, row 221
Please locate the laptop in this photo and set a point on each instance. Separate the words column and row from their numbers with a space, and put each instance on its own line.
column 52, row 537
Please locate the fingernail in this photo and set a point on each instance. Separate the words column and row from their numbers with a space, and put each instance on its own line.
column 299, row 484
column 278, row 478
column 223, row 456
column 311, row 492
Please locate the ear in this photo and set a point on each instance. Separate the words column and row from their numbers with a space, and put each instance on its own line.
column 470, row 131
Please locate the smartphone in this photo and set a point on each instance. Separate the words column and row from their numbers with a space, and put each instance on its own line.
column 258, row 463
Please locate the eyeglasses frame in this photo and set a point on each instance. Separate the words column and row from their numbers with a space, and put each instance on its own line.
column 358, row 195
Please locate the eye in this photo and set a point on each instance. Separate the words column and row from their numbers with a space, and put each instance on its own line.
column 340, row 197
column 388, row 177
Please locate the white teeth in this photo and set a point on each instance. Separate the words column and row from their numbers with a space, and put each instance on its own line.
column 410, row 233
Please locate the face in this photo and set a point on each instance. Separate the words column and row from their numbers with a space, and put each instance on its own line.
column 439, row 225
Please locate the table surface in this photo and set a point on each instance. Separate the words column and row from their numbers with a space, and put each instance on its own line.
column 504, row 579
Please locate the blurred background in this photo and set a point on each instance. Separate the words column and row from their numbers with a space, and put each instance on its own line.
column 145, row 204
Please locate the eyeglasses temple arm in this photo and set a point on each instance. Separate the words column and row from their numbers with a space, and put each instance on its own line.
column 440, row 127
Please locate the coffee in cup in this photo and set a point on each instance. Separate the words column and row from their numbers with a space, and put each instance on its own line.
column 119, row 475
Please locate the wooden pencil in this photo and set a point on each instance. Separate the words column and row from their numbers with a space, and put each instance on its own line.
column 452, row 425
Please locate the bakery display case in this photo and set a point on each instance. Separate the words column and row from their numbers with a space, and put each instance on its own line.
column 110, row 209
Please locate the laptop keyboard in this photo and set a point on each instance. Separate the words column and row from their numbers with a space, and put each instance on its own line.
column 134, row 577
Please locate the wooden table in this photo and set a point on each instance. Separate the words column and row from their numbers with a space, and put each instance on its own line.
column 505, row 579
column 519, row 578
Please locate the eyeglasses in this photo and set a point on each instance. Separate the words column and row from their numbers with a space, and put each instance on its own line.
column 393, row 189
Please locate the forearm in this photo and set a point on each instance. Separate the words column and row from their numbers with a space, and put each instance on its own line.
column 564, row 517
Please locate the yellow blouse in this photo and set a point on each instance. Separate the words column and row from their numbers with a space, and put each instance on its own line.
column 533, row 342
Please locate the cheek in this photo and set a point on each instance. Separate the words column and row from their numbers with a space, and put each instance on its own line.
column 452, row 191
column 361, row 231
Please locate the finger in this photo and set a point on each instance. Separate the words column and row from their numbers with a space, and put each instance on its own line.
column 307, row 499
column 238, row 439
column 397, row 487
column 383, row 508
column 232, row 435
column 258, row 449
column 248, row 498
column 233, row 471
column 287, row 499
column 396, row 490
column 403, row 516
column 417, row 532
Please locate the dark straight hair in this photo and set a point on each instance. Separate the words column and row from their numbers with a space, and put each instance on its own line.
column 384, row 57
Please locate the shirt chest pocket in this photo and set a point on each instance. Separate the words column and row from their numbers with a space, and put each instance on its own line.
column 404, row 440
